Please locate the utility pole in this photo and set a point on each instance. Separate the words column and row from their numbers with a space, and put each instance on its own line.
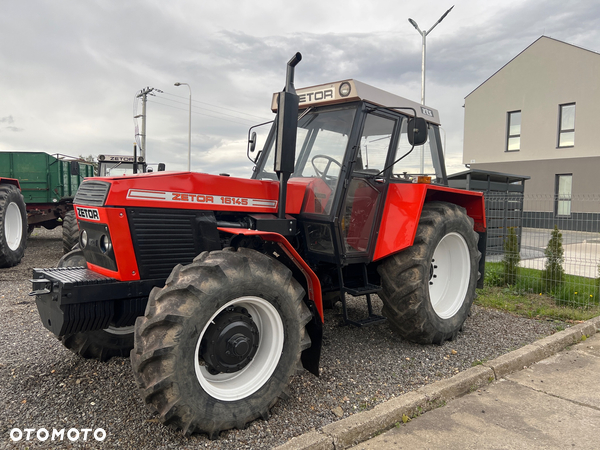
column 144, row 94
column 424, row 34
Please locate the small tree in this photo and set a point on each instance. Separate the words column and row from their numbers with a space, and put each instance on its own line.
column 91, row 159
column 511, row 258
column 553, row 272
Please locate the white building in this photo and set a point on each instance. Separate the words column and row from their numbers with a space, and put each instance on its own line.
column 538, row 116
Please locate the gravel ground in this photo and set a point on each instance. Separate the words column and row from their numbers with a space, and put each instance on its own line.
column 44, row 385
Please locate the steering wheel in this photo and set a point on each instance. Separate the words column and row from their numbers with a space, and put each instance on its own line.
column 323, row 174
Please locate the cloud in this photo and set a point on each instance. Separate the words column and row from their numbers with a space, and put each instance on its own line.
column 73, row 69
column 9, row 120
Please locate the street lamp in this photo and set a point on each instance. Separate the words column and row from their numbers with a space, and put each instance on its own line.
column 190, row 127
column 424, row 34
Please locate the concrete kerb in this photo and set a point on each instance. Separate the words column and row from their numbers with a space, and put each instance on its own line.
column 362, row 426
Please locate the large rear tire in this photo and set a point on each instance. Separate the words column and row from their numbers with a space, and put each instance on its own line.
column 219, row 343
column 428, row 289
column 13, row 226
column 70, row 235
column 97, row 344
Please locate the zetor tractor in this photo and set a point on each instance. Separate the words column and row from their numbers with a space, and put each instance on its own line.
column 215, row 286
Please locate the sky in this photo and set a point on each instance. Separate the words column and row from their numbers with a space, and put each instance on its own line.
column 70, row 70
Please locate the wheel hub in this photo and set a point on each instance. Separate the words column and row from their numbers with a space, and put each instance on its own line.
column 230, row 342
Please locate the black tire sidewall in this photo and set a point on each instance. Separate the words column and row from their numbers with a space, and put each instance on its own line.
column 74, row 258
column 99, row 344
column 70, row 234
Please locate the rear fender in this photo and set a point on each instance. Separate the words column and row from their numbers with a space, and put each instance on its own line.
column 12, row 181
column 403, row 207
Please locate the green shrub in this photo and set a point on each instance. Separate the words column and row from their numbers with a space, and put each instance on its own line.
column 511, row 258
column 554, row 274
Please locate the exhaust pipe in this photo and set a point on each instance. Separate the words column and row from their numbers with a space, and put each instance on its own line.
column 287, row 126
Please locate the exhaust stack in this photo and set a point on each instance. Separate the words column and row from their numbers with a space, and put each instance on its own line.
column 287, row 125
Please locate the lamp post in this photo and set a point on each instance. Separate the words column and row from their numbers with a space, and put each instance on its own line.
column 190, row 127
column 424, row 34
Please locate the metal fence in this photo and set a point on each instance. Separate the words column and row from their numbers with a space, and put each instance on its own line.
column 550, row 246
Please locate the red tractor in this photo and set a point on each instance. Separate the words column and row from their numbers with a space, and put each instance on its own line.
column 215, row 285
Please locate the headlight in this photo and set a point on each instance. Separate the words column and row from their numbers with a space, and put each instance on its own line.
column 105, row 244
column 84, row 239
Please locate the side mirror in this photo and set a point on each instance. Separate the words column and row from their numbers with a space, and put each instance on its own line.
column 252, row 142
column 252, row 147
column 417, row 131
column 161, row 167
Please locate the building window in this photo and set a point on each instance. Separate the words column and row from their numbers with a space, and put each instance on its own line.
column 564, row 186
column 566, row 125
column 513, row 131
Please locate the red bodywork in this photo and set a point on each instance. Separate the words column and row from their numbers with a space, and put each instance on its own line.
column 186, row 190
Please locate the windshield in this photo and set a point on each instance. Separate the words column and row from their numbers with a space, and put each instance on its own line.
column 114, row 169
column 321, row 143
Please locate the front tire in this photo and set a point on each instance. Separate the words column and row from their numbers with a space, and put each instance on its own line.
column 97, row 344
column 13, row 226
column 219, row 343
column 70, row 234
column 428, row 289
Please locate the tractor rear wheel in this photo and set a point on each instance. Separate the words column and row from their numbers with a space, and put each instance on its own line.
column 220, row 341
column 97, row 344
column 428, row 289
column 13, row 225
column 70, row 235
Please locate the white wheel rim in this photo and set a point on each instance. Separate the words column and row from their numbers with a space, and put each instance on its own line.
column 13, row 226
column 450, row 275
column 120, row 330
column 238, row 385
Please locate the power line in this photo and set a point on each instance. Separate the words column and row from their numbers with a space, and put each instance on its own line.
column 216, row 106
column 216, row 112
column 200, row 114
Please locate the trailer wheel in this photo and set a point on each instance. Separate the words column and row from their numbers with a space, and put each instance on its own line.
column 70, row 235
column 96, row 344
column 13, row 225
column 428, row 289
column 219, row 343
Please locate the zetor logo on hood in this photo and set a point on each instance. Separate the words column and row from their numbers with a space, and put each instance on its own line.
column 88, row 213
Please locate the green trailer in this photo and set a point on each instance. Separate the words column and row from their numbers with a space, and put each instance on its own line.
column 37, row 189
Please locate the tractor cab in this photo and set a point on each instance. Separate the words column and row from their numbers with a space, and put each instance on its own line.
column 352, row 143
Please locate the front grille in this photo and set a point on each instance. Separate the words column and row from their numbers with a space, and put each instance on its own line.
column 92, row 193
column 163, row 238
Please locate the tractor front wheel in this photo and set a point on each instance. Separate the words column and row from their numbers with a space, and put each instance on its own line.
column 428, row 289
column 219, row 343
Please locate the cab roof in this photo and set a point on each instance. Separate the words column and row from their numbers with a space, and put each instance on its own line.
column 353, row 90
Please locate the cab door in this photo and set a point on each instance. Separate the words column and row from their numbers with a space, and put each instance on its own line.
column 361, row 208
